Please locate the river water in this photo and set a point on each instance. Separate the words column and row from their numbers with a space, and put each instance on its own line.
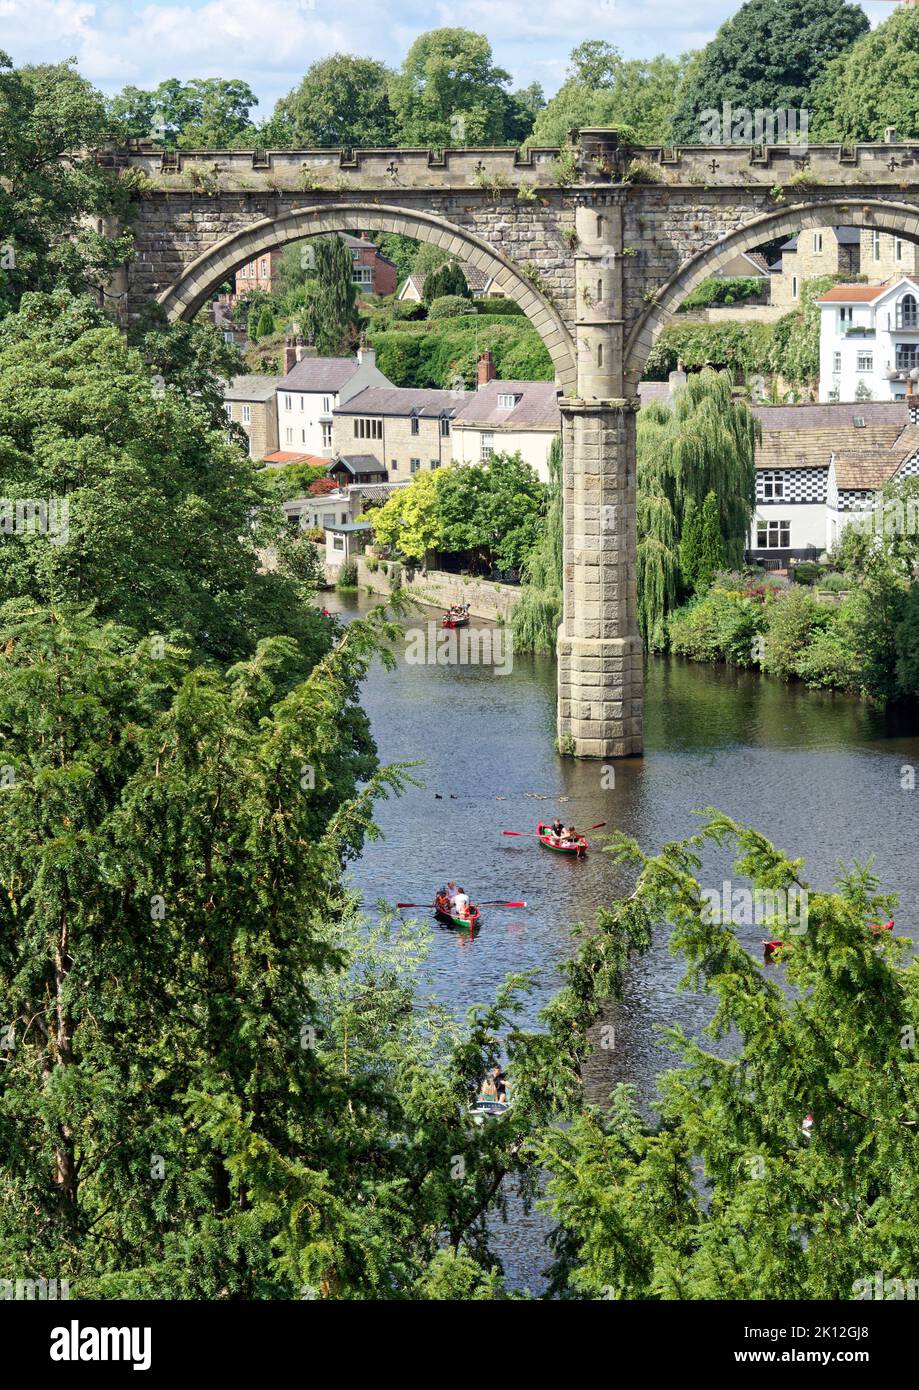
column 819, row 774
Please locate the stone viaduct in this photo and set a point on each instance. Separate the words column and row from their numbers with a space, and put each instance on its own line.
column 597, row 243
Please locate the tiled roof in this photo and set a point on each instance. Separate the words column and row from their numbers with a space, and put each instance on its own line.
column 400, row 400
column 537, row 407
column 358, row 463
column 253, row 387
column 806, row 436
column 284, row 456
column 862, row 294
column 759, row 260
column 319, row 374
column 872, row 468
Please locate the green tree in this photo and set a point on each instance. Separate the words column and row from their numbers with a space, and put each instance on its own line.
column 447, row 279
column 765, row 57
column 704, row 445
column 538, row 612
column 711, row 552
column 341, row 101
column 205, row 113
column 602, row 88
column 907, row 647
column 265, row 322
column 52, row 124
column 409, row 520
column 691, row 543
column 873, row 85
column 449, row 91
column 492, row 512
column 329, row 312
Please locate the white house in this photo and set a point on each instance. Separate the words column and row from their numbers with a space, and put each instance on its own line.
column 818, row 465
column 310, row 390
column 869, row 341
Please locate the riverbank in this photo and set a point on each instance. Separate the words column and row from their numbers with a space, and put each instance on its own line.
column 439, row 589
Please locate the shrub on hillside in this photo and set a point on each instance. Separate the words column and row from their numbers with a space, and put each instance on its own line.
column 450, row 306
column 720, row 626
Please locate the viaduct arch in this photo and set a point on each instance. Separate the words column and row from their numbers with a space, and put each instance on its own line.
column 597, row 243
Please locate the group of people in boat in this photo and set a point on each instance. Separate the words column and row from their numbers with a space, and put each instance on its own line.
column 453, row 901
column 495, row 1087
column 561, row 834
column 457, row 612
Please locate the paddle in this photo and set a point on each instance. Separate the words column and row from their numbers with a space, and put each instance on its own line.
column 490, row 902
column 532, row 834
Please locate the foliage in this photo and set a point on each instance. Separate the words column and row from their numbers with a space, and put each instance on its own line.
column 347, row 576
column 434, row 354
column 449, row 91
column 724, row 1196
column 538, row 611
column 297, row 480
column 447, row 279
column 450, row 306
column 743, row 347
column 730, row 289
column 604, row 89
column 491, row 512
column 208, row 113
column 328, row 314
column 341, row 101
column 50, row 205
column 721, row 626
column 765, row 57
column 701, row 450
column 409, row 520
column 873, row 85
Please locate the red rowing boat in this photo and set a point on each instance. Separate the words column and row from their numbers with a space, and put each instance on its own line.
column 547, row 839
column 470, row 923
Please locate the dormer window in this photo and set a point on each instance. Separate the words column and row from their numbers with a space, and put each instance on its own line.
column 415, row 426
column 507, row 400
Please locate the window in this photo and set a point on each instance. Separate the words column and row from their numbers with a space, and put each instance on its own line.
column 488, row 445
column 414, row 465
column 288, row 402
column 303, row 436
column 288, row 436
column 344, row 518
column 247, row 414
column 773, row 486
column 368, row 429
column 875, row 246
column 338, row 542
column 393, row 465
column 228, row 408
column 599, row 354
column 865, row 362
column 898, row 248
column 326, row 436
column 445, row 427
column 773, row 535
column 435, row 463
column 818, row 243
column 845, row 317
column 414, row 424
column 507, row 400
column 794, row 287
column 325, row 405
column 908, row 312
column 264, row 269
column 907, row 356
column 837, row 361
column 302, row 402
column 362, row 275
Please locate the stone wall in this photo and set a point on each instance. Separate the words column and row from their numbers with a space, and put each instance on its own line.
column 440, row 589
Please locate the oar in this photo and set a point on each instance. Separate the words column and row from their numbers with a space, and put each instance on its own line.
column 414, row 904
column 499, row 902
column 532, row 834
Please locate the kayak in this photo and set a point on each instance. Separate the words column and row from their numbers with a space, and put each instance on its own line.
column 577, row 847
column 460, row 923
column 455, row 622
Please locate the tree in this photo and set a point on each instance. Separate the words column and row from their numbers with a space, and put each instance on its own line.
column 449, row 91
column 538, row 612
column 329, row 311
column 765, row 57
column 602, row 88
column 409, row 519
column 153, row 515
column 52, row 122
column 873, row 85
column 341, row 101
column 711, row 550
column 705, row 444
column 447, row 279
column 206, row 113
column 265, row 322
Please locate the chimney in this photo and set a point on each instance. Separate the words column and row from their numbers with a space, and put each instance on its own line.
column 366, row 356
column 890, row 135
column 676, row 379
column 290, row 355
column 486, row 369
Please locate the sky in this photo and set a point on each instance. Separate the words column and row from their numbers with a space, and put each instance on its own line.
column 271, row 43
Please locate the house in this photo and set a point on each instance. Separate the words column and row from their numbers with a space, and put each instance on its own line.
column 404, row 429
column 507, row 417
column 344, row 541
column 372, row 272
column 746, row 265
column 346, row 469
column 885, row 257
column 258, row 274
column 251, row 402
column 312, row 388
column 823, row 251
column 869, row 341
column 481, row 284
column 812, row 467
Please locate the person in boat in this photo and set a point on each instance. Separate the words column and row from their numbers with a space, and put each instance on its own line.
column 442, row 900
column 557, row 830
column 570, row 836
column 461, row 906
column 487, row 1090
column 499, row 1081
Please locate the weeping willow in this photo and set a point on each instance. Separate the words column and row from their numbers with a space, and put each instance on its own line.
column 539, row 611
column 704, row 444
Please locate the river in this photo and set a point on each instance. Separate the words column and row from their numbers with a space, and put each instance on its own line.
column 819, row 774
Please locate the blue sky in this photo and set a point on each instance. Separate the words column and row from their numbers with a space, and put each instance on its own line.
column 270, row 43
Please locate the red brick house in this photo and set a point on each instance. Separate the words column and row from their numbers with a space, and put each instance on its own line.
column 371, row 272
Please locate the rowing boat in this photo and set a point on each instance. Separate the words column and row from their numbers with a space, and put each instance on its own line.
column 460, row 923
column 450, row 621
column 546, row 839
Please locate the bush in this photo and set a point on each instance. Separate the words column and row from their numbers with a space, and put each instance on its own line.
column 499, row 307
column 793, row 621
column 806, row 572
column 316, row 534
column 450, row 306
column 720, row 626
column 728, row 290
column 739, row 347
column 347, row 578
